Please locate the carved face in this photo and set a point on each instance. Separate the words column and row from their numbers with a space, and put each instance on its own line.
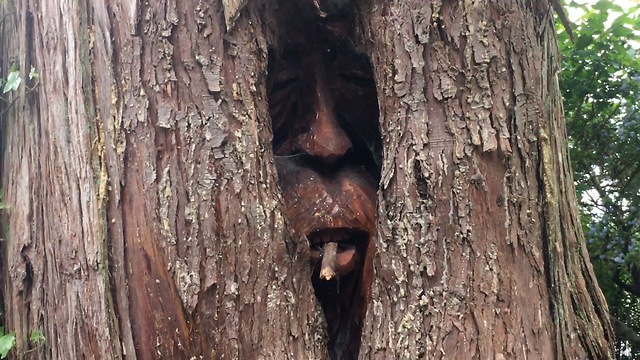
column 324, row 112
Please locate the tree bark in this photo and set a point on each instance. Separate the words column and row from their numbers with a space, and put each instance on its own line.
column 145, row 220
column 480, row 252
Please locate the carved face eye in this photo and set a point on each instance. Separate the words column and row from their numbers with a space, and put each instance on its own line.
column 358, row 78
column 284, row 81
column 284, row 86
column 354, row 70
column 284, row 70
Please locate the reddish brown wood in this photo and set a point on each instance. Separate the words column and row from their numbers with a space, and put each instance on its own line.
column 323, row 106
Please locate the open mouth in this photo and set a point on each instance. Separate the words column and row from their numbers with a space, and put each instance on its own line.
column 337, row 249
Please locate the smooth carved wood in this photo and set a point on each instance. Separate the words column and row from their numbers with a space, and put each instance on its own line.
column 322, row 102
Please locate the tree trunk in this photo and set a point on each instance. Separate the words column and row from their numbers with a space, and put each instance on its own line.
column 480, row 252
column 145, row 219
column 146, row 222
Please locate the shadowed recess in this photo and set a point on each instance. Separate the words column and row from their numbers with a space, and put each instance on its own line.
column 326, row 139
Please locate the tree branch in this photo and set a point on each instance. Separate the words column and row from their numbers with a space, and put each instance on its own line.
column 624, row 332
column 623, row 285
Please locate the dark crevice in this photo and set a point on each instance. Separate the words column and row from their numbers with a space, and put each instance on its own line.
column 421, row 183
column 326, row 139
column 550, row 259
column 442, row 34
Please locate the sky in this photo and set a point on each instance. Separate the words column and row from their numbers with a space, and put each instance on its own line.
column 575, row 14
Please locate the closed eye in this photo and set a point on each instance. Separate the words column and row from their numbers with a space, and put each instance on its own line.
column 358, row 79
column 284, row 83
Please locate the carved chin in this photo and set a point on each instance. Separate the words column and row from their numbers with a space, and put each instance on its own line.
column 336, row 207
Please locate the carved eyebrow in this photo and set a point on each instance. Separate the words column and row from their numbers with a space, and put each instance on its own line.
column 283, row 68
column 358, row 78
column 356, row 70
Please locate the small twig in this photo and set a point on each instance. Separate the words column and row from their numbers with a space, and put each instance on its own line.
column 34, row 349
column 328, row 267
column 320, row 12
column 563, row 18
column 13, row 102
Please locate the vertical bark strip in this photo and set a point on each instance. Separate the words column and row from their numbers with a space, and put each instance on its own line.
column 54, row 255
column 145, row 218
column 479, row 250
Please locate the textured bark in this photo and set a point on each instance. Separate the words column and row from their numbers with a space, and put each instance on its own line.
column 145, row 221
column 479, row 253
column 145, row 218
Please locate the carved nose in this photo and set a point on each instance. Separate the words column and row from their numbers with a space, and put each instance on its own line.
column 325, row 138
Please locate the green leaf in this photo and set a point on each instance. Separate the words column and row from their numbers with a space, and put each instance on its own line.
column 600, row 83
column 36, row 337
column 583, row 41
column 7, row 342
column 13, row 81
column 621, row 31
column 33, row 74
column 3, row 206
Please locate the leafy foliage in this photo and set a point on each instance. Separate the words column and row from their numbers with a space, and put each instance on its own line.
column 7, row 342
column 37, row 337
column 13, row 81
column 11, row 84
column 600, row 80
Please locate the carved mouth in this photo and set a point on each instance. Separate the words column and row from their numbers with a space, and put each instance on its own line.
column 339, row 249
